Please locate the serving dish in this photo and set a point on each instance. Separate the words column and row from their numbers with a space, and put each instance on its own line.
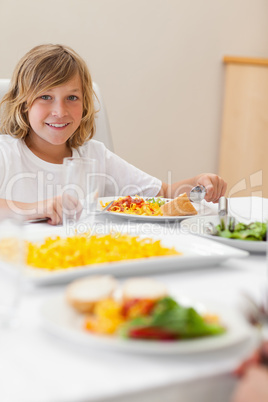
column 197, row 225
column 197, row 252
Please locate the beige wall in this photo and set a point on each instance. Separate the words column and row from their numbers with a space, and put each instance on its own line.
column 158, row 63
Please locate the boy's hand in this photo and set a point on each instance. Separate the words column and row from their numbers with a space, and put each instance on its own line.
column 215, row 186
column 52, row 209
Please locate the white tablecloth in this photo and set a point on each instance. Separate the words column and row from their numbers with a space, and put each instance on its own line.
column 36, row 366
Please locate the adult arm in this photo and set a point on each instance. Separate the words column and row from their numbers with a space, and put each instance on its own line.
column 253, row 386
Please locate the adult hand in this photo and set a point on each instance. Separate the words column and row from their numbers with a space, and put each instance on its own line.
column 215, row 186
column 253, row 386
column 258, row 357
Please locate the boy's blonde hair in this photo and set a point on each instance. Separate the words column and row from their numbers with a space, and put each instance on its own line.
column 42, row 68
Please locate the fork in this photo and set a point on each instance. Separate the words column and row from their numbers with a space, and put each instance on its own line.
column 107, row 206
column 257, row 312
column 257, row 315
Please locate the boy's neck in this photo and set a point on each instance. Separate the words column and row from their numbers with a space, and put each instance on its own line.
column 49, row 153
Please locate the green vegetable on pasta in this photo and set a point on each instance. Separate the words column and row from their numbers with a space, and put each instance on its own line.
column 157, row 200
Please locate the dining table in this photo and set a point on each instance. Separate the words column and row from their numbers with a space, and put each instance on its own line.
column 38, row 364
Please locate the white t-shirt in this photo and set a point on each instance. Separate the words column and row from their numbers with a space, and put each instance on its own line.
column 25, row 177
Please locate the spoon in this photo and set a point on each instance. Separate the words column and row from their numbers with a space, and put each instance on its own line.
column 198, row 193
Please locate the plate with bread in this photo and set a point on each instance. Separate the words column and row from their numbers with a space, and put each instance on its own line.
column 140, row 316
column 155, row 209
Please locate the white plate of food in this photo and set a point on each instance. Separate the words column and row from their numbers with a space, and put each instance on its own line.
column 61, row 320
column 201, row 209
column 198, row 225
column 189, row 252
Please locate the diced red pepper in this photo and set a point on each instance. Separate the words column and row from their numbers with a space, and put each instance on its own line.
column 152, row 333
column 126, row 201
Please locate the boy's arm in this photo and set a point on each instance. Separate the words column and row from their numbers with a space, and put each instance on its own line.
column 215, row 187
column 51, row 209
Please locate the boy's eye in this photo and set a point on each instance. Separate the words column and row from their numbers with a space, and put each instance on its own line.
column 72, row 97
column 45, row 97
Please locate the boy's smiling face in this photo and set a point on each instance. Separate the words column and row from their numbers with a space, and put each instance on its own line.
column 56, row 114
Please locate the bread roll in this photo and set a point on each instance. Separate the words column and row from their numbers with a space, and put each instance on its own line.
column 180, row 206
column 143, row 288
column 84, row 293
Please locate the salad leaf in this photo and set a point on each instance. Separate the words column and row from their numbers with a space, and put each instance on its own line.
column 183, row 322
column 254, row 231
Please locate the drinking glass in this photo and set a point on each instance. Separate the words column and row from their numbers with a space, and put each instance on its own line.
column 12, row 258
column 80, row 194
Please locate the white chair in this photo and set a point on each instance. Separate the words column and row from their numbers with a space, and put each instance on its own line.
column 103, row 132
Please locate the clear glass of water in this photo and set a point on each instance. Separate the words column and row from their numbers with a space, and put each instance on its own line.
column 80, row 194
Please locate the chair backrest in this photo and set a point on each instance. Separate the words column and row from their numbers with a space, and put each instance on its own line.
column 103, row 132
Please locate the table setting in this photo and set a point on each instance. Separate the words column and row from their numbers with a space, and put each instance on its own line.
column 50, row 357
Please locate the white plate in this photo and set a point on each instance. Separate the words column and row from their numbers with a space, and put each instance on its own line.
column 59, row 319
column 202, row 209
column 197, row 253
column 197, row 225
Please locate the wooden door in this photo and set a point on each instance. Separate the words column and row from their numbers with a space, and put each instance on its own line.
column 243, row 161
